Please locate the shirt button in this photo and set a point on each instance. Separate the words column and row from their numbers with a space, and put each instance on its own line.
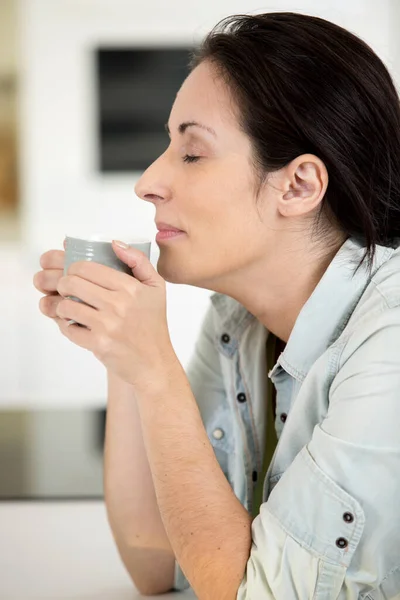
column 348, row 517
column 283, row 417
column 241, row 397
column 342, row 543
column 225, row 338
column 218, row 434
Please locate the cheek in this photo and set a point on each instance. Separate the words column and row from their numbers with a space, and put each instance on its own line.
column 219, row 210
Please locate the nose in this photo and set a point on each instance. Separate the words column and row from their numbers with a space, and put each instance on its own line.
column 151, row 186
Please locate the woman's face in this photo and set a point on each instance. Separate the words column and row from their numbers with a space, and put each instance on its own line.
column 212, row 198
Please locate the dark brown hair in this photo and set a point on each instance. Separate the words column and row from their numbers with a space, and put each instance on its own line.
column 305, row 85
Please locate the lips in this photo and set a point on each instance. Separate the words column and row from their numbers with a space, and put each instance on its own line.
column 166, row 227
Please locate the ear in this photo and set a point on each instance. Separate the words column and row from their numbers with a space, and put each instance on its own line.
column 304, row 183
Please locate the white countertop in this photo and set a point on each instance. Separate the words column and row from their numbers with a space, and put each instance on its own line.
column 62, row 550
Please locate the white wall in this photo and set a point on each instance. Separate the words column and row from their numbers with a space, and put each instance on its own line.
column 58, row 103
column 60, row 185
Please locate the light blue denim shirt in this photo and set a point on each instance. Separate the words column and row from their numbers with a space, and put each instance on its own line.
column 329, row 524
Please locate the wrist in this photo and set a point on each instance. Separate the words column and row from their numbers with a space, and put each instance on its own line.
column 165, row 371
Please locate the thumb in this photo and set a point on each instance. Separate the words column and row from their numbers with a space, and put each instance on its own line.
column 141, row 266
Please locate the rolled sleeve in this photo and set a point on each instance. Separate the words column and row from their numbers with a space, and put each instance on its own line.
column 302, row 544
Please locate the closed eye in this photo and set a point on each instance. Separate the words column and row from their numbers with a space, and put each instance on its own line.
column 190, row 159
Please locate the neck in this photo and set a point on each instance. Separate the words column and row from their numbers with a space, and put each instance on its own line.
column 275, row 292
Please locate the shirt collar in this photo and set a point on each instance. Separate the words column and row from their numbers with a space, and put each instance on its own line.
column 324, row 315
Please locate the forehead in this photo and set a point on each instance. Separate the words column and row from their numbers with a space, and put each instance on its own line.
column 203, row 97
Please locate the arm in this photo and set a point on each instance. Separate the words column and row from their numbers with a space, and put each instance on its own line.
column 126, row 462
column 207, row 385
column 130, row 499
column 208, row 527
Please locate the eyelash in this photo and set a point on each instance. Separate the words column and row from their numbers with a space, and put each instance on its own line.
column 190, row 159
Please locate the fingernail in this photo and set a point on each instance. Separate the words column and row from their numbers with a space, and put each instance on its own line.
column 121, row 244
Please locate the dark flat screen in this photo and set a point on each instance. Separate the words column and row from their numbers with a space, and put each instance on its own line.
column 136, row 90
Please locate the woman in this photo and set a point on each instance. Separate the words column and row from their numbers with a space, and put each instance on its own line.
column 279, row 191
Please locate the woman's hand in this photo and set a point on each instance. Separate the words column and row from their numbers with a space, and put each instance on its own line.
column 46, row 281
column 125, row 316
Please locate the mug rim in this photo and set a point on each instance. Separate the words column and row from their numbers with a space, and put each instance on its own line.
column 82, row 239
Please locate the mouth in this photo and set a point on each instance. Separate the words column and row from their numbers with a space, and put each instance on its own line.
column 166, row 227
column 169, row 234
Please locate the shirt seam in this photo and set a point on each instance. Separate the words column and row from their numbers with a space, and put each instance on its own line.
column 393, row 570
column 384, row 297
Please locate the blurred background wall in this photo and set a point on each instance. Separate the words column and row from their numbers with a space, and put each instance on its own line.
column 51, row 185
column 8, row 117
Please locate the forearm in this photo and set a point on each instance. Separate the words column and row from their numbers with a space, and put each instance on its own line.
column 128, row 485
column 208, row 528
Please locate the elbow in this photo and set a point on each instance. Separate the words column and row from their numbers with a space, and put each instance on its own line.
column 151, row 570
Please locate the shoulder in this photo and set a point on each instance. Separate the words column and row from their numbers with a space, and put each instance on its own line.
column 368, row 367
column 387, row 280
column 379, row 304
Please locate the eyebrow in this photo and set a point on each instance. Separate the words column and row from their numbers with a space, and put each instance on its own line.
column 184, row 126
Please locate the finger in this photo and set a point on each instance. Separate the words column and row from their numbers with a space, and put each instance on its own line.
column 78, row 335
column 52, row 259
column 48, row 306
column 90, row 293
column 101, row 275
column 46, row 281
column 141, row 266
column 77, row 311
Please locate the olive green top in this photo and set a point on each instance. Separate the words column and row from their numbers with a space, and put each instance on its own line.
column 271, row 438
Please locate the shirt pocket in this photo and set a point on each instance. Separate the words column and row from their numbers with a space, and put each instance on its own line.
column 318, row 513
column 304, row 538
column 280, row 568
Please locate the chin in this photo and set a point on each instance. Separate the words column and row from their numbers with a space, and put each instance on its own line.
column 182, row 276
column 166, row 269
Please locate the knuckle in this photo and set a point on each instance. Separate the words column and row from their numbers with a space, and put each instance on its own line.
column 120, row 307
column 62, row 326
column 37, row 280
column 103, row 345
column 63, row 307
column 43, row 305
column 52, row 259
column 59, row 308
column 47, row 305
column 63, row 283
column 44, row 260
column 77, row 268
